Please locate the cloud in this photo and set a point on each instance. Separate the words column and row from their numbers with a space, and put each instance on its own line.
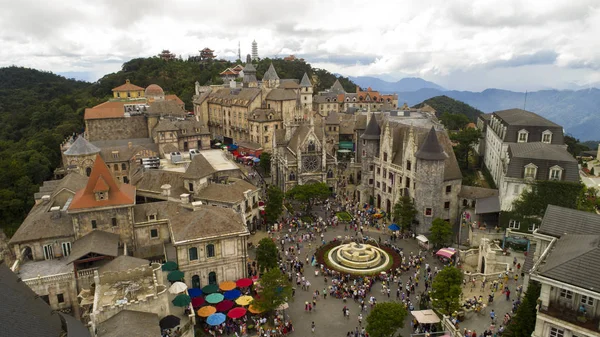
column 433, row 39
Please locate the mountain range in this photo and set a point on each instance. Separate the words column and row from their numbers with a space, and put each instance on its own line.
column 578, row 111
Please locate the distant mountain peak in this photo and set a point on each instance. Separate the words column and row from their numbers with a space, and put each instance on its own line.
column 406, row 84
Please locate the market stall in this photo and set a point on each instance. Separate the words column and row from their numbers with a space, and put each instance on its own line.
column 423, row 241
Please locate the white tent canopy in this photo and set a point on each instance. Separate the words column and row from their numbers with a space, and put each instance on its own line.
column 425, row 316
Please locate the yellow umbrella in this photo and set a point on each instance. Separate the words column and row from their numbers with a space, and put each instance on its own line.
column 206, row 311
column 244, row 300
column 227, row 285
column 254, row 310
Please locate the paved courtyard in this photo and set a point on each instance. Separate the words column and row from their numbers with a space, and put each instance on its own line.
column 328, row 316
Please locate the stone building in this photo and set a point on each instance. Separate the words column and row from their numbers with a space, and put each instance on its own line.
column 79, row 155
column 336, row 99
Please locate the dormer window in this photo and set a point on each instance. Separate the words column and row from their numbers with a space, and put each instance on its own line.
column 523, row 135
column 311, row 146
column 555, row 172
column 115, row 154
column 183, row 131
column 100, row 195
column 151, row 217
column 547, row 137
column 530, row 171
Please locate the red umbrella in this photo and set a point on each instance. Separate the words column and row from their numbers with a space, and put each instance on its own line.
column 243, row 282
column 197, row 302
column 224, row 305
column 236, row 312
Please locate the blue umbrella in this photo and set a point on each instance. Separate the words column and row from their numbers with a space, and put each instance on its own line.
column 394, row 227
column 215, row 319
column 194, row 292
column 232, row 294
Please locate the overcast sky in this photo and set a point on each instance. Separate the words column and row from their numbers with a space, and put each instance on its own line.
column 459, row 44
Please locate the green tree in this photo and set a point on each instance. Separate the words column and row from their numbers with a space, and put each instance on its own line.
column 275, row 290
column 274, row 206
column 535, row 199
column 454, row 121
column 523, row 323
column 265, row 162
column 452, row 106
column 385, row 319
column 309, row 193
column 405, row 212
column 446, row 290
column 574, row 146
column 465, row 139
column 266, row 254
column 441, row 233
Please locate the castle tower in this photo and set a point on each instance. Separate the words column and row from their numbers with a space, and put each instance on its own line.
column 80, row 155
column 370, row 149
column 306, row 93
column 271, row 79
column 429, row 180
column 250, row 80
column 254, row 51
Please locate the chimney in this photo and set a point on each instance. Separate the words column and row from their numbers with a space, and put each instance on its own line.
column 185, row 198
column 129, row 145
column 166, row 190
column 45, row 198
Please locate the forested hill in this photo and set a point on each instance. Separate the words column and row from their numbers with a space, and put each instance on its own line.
column 38, row 110
column 443, row 104
column 178, row 76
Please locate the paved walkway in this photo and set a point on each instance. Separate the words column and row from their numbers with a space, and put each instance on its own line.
column 328, row 317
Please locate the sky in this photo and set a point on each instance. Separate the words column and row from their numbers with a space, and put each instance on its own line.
column 458, row 44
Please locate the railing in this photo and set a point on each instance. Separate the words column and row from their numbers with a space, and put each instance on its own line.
column 49, row 279
column 565, row 313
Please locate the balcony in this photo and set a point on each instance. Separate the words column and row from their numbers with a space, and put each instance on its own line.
column 565, row 313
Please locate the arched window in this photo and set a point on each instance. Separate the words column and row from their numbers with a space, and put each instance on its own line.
column 212, row 278
column 311, row 146
column 292, row 176
column 123, row 166
column 210, row 250
column 196, row 281
column 330, row 174
column 88, row 171
column 193, row 254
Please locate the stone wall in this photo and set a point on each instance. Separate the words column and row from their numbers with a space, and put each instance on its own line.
column 55, row 285
column 116, row 128
column 82, row 222
column 429, row 180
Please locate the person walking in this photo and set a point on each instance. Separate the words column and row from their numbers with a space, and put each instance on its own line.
column 312, row 327
column 493, row 316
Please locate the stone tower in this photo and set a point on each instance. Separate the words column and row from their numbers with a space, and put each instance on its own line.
column 250, row 76
column 270, row 79
column 370, row 149
column 306, row 93
column 254, row 51
column 429, row 181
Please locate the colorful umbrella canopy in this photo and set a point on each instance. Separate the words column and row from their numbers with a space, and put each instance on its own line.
column 181, row 300
column 224, row 305
column 446, row 252
column 175, row 275
column 215, row 319
column 244, row 300
column 254, row 310
column 177, row 287
column 169, row 322
column 394, row 227
column 214, row 298
column 206, row 311
column 232, row 294
column 236, row 312
column 170, row 266
column 243, row 282
column 227, row 285
column 211, row 288
column 194, row 292
column 197, row 302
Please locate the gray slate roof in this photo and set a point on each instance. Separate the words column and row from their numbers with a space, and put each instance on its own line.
column 337, row 88
column 431, row 148
column 24, row 313
column 487, row 205
column 544, row 156
column 99, row 242
column 130, row 323
column 81, row 147
column 522, row 117
column 123, row 263
column 373, row 131
column 540, row 150
column 560, row 220
column 474, row 192
column 227, row 193
column 574, row 260
column 199, row 168
column 305, row 82
column 281, row 95
column 270, row 74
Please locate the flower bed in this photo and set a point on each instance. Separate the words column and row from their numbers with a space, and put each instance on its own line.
column 322, row 253
column 344, row 216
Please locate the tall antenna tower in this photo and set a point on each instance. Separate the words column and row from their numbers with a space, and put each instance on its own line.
column 239, row 52
column 525, row 101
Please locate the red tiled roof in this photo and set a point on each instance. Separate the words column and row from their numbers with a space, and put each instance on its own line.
column 110, row 109
column 101, row 180
column 128, row 87
column 174, row 98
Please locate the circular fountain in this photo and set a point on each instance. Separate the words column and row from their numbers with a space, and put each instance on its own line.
column 358, row 258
